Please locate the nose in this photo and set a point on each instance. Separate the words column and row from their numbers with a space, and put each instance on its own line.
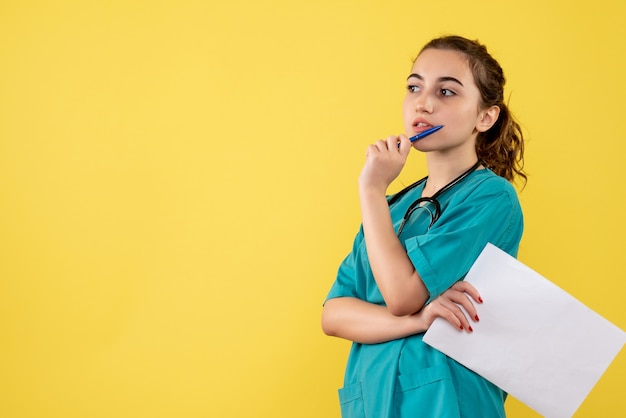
column 423, row 104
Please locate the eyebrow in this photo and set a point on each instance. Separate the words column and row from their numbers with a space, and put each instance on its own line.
column 440, row 79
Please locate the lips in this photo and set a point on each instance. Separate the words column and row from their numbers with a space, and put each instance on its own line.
column 420, row 125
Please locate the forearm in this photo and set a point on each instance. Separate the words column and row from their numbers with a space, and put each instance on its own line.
column 399, row 283
column 367, row 323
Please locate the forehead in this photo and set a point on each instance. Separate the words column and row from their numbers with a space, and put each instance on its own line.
column 437, row 63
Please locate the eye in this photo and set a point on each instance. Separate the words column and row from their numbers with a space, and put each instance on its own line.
column 447, row 92
column 411, row 88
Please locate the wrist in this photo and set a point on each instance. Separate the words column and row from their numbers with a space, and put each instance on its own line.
column 413, row 324
column 420, row 323
column 371, row 191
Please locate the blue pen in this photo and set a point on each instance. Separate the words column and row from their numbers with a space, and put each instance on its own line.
column 425, row 133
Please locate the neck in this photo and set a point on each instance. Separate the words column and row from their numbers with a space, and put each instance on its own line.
column 444, row 169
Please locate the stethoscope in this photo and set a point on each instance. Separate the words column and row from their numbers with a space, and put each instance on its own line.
column 431, row 199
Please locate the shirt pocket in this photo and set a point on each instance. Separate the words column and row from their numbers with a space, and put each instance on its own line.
column 351, row 401
column 429, row 392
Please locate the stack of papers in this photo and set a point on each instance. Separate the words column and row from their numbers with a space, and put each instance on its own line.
column 533, row 340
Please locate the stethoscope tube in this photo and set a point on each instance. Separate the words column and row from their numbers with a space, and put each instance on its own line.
column 432, row 199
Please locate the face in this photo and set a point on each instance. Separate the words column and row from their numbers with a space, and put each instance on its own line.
column 441, row 91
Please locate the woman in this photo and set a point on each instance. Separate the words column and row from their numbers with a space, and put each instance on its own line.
column 413, row 250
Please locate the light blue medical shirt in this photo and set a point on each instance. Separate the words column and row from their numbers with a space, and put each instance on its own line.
column 406, row 377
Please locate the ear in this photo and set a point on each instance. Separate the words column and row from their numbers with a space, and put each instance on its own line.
column 486, row 118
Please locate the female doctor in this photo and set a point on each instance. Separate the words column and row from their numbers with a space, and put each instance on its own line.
column 413, row 249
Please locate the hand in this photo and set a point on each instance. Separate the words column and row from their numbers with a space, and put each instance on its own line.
column 384, row 161
column 448, row 306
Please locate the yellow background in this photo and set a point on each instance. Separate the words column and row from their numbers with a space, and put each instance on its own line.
column 178, row 187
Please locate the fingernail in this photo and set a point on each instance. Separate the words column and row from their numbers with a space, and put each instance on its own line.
column 480, row 300
column 470, row 329
column 461, row 327
column 476, row 318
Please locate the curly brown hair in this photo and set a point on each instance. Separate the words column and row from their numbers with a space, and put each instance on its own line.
column 501, row 148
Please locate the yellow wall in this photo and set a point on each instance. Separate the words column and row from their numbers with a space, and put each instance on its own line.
column 177, row 188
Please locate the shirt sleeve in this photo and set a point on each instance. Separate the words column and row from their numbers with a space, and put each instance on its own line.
column 345, row 283
column 445, row 254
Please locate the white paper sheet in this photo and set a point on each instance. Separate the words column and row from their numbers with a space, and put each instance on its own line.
column 533, row 340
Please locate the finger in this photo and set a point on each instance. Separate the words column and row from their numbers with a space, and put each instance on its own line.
column 392, row 142
column 461, row 298
column 464, row 300
column 371, row 150
column 438, row 309
column 468, row 288
column 377, row 148
column 404, row 144
column 381, row 145
column 456, row 316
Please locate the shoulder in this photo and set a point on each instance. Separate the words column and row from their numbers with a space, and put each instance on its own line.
column 486, row 189
column 486, row 182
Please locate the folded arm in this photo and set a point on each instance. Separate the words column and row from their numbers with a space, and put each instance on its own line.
column 367, row 323
column 398, row 281
column 364, row 322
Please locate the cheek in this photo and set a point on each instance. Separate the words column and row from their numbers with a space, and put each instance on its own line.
column 406, row 104
column 407, row 115
column 464, row 116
